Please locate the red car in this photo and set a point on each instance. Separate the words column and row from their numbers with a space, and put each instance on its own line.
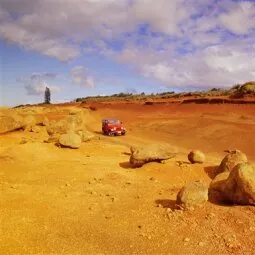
column 113, row 127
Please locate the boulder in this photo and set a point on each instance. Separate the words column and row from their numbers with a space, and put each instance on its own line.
column 86, row 135
column 72, row 123
column 152, row 153
column 239, row 188
column 192, row 195
column 57, row 128
column 216, row 188
column 231, row 160
column 29, row 122
column 196, row 157
column 70, row 140
column 10, row 123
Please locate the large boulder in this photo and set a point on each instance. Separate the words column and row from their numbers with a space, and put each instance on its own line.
column 239, row 188
column 231, row 160
column 70, row 140
column 192, row 195
column 216, row 188
column 152, row 153
column 10, row 123
column 196, row 156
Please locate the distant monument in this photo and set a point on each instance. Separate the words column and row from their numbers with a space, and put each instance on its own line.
column 47, row 96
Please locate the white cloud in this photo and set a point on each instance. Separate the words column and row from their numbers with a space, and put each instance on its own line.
column 215, row 66
column 38, row 88
column 36, row 83
column 176, row 42
column 80, row 76
column 240, row 19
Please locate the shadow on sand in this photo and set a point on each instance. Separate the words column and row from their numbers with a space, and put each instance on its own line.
column 212, row 171
column 167, row 203
column 126, row 153
column 126, row 165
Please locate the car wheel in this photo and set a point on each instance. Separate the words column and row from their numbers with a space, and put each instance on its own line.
column 111, row 133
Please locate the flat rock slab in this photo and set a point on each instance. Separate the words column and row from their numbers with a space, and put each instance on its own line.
column 152, row 153
column 10, row 123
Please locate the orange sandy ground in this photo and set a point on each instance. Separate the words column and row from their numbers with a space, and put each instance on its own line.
column 91, row 201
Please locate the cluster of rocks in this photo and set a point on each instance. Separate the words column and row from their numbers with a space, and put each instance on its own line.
column 233, row 184
column 13, row 121
column 68, row 132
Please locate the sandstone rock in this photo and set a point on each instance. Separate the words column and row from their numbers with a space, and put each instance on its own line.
column 72, row 123
column 152, row 153
column 29, row 122
column 86, row 135
column 231, row 160
column 219, row 181
column 10, row 123
column 35, row 129
column 240, row 185
column 45, row 121
column 75, row 111
column 192, row 195
column 196, row 157
column 70, row 140
column 57, row 127
column 217, row 186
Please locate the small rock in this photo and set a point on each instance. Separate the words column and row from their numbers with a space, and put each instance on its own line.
column 201, row 244
column 196, row 156
column 35, row 129
column 210, row 216
column 23, row 141
column 186, row 239
column 192, row 194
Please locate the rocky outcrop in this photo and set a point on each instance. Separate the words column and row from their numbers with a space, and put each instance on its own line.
column 72, row 123
column 231, row 160
column 196, row 156
column 152, row 153
column 10, row 123
column 192, row 195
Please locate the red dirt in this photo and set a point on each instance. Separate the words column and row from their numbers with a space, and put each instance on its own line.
column 90, row 200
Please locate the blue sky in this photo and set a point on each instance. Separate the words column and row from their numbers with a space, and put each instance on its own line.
column 80, row 48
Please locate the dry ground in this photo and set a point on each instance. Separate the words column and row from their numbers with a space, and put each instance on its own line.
column 91, row 201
